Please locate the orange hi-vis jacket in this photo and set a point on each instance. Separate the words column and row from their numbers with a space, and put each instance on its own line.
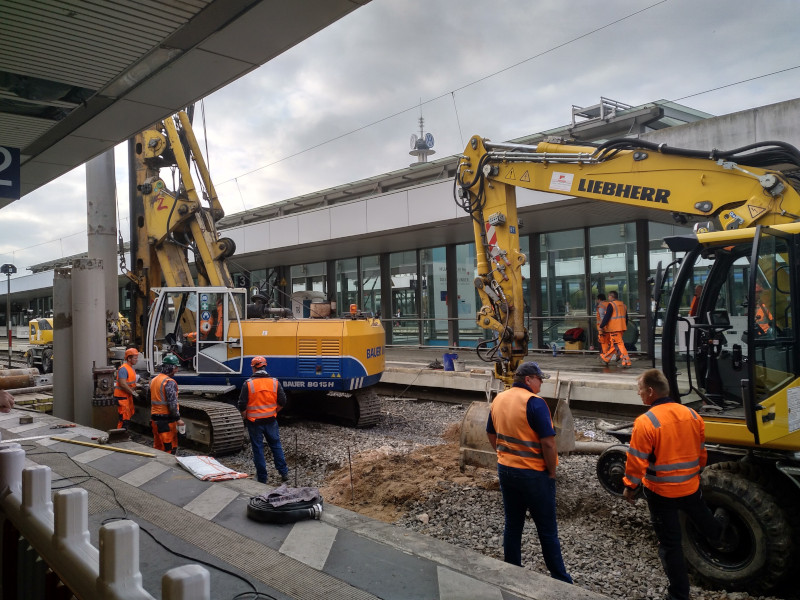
column 262, row 398
column 667, row 450
column 601, row 310
column 127, row 374
column 218, row 329
column 518, row 445
column 619, row 318
column 158, row 398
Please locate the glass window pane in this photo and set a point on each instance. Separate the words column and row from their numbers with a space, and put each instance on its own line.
column 346, row 283
column 562, row 272
column 403, row 269
column 434, row 296
column 371, row 284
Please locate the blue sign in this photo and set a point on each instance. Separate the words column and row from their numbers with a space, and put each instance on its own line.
column 205, row 316
column 9, row 173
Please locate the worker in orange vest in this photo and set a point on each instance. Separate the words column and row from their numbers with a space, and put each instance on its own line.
column 603, row 338
column 520, row 429
column 125, row 388
column 666, row 454
column 260, row 400
column 764, row 318
column 615, row 323
column 165, row 415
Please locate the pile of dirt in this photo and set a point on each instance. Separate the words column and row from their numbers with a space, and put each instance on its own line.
column 382, row 484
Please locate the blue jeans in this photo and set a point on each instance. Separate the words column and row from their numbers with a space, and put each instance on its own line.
column 258, row 430
column 529, row 490
column 666, row 523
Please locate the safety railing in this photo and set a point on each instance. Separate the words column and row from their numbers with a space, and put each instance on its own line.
column 58, row 533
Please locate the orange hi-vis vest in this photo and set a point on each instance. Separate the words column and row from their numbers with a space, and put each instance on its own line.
column 618, row 321
column 518, row 445
column 667, row 450
column 158, row 397
column 601, row 310
column 127, row 374
column 262, row 398
column 763, row 317
column 218, row 329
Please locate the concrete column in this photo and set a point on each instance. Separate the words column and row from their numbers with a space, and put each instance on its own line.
column 63, row 381
column 101, row 214
column 89, row 333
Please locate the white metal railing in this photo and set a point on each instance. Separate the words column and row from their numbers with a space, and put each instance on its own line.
column 58, row 532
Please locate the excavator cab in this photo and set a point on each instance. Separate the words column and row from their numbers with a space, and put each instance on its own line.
column 735, row 359
column 201, row 326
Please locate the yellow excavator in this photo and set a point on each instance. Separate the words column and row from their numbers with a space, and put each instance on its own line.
column 739, row 368
column 215, row 328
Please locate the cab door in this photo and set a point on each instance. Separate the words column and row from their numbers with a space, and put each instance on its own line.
column 771, row 394
column 220, row 348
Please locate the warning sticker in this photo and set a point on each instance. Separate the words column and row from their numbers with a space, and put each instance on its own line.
column 510, row 174
column 755, row 210
column 793, row 404
column 561, row 182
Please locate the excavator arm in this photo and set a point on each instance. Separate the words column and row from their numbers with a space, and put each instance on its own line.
column 169, row 227
column 753, row 185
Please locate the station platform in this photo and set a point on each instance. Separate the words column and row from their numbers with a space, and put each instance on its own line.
column 579, row 377
column 343, row 555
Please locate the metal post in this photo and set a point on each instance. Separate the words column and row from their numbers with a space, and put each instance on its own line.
column 8, row 269
column 8, row 315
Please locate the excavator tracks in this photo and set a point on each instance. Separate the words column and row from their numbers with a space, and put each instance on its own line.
column 213, row 425
column 360, row 409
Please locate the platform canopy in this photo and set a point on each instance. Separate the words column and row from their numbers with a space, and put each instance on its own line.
column 78, row 77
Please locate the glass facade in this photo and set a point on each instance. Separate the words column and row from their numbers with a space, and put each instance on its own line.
column 432, row 307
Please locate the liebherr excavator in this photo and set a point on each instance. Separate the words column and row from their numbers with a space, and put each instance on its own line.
column 742, row 376
column 215, row 328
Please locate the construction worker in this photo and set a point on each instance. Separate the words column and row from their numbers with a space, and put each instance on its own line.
column 260, row 400
column 764, row 318
column 520, row 429
column 165, row 416
column 603, row 338
column 125, row 388
column 666, row 453
column 615, row 323
column 695, row 304
column 218, row 324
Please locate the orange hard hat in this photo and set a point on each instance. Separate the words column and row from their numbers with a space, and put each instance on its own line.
column 131, row 352
column 258, row 362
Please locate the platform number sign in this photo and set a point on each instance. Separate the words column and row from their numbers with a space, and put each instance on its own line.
column 9, row 173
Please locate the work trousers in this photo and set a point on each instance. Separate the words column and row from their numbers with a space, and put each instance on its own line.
column 125, row 410
column 530, row 490
column 667, row 526
column 165, row 436
column 616, row 346
column 604, row 339
column 258, row 430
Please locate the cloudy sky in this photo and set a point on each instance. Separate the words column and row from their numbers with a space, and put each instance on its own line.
column 342, row 105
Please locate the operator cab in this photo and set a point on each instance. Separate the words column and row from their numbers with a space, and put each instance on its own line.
column 201, row 326
column 738, row 353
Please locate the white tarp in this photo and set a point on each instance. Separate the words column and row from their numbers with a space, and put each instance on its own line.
column 208, row 469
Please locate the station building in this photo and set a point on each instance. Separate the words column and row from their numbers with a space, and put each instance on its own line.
column 397, row 244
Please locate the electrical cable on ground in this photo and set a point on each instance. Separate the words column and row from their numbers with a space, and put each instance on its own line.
column 254, row 594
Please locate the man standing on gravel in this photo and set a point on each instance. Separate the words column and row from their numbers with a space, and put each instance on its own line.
column 520, row 429
column 260, row 400
column 666, row 453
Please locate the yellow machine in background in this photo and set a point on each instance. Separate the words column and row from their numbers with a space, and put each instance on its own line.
column 215, row 328
column 742, row 377
column 40, row 340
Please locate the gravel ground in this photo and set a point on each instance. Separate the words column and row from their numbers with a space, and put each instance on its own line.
column 608, row 545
